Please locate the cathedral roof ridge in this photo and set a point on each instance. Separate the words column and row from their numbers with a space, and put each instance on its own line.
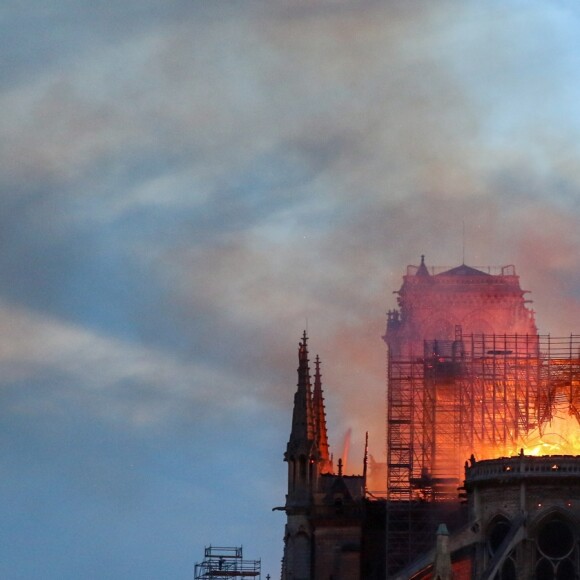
column 464, row 270
column 497, row 271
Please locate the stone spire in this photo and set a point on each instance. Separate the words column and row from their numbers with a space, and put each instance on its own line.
column 303, row 432
column 320, row 421
column 302, row 459
column 302, row 452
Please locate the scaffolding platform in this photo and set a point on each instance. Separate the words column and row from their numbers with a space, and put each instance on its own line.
column 225, row 563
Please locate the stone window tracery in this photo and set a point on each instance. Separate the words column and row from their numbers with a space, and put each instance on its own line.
column 556, row 551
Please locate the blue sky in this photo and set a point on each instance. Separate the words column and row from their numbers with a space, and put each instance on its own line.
column 184, row 184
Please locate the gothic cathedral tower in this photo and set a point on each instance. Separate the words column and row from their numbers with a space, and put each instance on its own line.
column 324, row 527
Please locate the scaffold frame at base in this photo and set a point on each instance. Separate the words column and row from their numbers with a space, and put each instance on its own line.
column 221, row 563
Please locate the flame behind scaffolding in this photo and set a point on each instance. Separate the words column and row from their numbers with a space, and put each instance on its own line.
column 480, row 395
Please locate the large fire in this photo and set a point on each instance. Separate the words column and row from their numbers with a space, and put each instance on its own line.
column 560, row 436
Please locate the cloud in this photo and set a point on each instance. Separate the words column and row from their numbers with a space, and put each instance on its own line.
column 234, row 175
column 51, row 361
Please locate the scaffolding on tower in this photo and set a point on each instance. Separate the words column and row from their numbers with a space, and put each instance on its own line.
column 480, row 396
column 225, row 563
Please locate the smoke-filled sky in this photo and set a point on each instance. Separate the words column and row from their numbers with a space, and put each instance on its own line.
column 186, row 184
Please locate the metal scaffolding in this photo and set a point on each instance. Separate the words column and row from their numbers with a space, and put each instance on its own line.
column 221, row 563
column 480, row 395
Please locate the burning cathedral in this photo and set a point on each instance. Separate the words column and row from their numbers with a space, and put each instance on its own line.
column 481, row 480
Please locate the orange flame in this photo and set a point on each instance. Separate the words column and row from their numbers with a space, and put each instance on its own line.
column 561, row 436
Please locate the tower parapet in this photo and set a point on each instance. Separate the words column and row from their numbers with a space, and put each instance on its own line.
column 434, row 302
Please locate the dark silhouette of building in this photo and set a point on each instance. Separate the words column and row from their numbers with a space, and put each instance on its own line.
column 331, row 524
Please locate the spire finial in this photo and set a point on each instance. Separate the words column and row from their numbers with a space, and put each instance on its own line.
column 303, row 346
column 422, row 269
